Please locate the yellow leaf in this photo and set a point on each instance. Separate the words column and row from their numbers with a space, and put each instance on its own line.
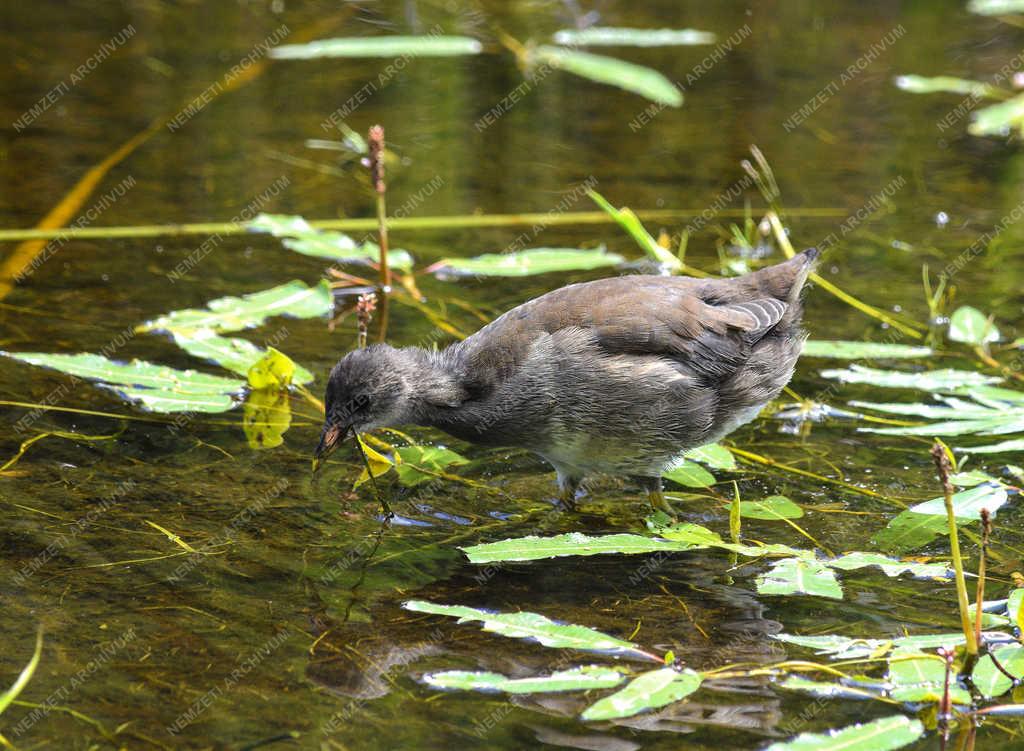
column 379, row 464
column 265, row 418
column 272, row 371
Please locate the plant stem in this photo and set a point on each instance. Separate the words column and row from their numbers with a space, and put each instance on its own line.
column 986, row 530
column 376, row 144
column 456, row 221
column 940, row 454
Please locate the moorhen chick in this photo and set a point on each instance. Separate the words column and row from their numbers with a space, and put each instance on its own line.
column 616, row 376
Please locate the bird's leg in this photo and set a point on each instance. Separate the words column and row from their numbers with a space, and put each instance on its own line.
column 655, row 495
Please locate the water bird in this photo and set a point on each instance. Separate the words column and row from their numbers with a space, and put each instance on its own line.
column 617, row 376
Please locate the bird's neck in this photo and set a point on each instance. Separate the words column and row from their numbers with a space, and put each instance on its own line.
column 435, row 382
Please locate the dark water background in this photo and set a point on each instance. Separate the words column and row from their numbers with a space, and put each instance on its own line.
column 287, row 625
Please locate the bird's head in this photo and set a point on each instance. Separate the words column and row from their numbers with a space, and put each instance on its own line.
column 368, row 388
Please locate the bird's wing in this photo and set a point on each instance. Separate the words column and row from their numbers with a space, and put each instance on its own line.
column 708, row 339
column 640, row 315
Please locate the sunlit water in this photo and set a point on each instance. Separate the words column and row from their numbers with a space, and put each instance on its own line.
column 289, row 618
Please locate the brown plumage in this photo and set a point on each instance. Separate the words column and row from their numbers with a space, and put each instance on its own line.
column 618, row 375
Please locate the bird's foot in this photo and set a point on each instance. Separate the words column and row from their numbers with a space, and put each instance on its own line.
column 567, row 499
column 658, row 502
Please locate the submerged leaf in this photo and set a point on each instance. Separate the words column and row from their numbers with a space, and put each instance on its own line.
column 266, row 416
column 885, row 734
column 381, row 46
column 800, row 576
column 847, row 350
column 523, row 625
column 157, row 387
column 574, row 679
column 530, row 262
column 971, row 326
column 293, row 299
column 651, row 690
column 646, row 82
column 609, row 36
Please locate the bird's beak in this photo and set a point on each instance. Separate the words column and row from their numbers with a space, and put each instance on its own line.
column 331, row 436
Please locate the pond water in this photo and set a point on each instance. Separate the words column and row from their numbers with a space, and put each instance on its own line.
column 286, row 627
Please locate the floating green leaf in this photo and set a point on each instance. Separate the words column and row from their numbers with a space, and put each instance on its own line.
column 293, row 299
column 1013, row 607
column 575, row 679
column 924, row 522
column 691, row 475
column 714, row 455
column 918, row 677
column 157, row 387
column 686, row 532
column 949, row 85
column 983, row 416
column 932, row 380
column 971, row 326
column 847, row 350
column 382, row 46
column 885, row 734
column 608, row 70
column 651, row 690
column 232, row 353
column 434, row 459
column 998, row 119
column 535, row 548
column 298, row 235
column 524, row 625
column 827, row 690
column 1016, row 444
column 608, row 36
column 989, row 679
column 996, row 7
column 772, row 507
column 840, row 647
column 530, row 262
column 799, row 576
column 890, row 566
